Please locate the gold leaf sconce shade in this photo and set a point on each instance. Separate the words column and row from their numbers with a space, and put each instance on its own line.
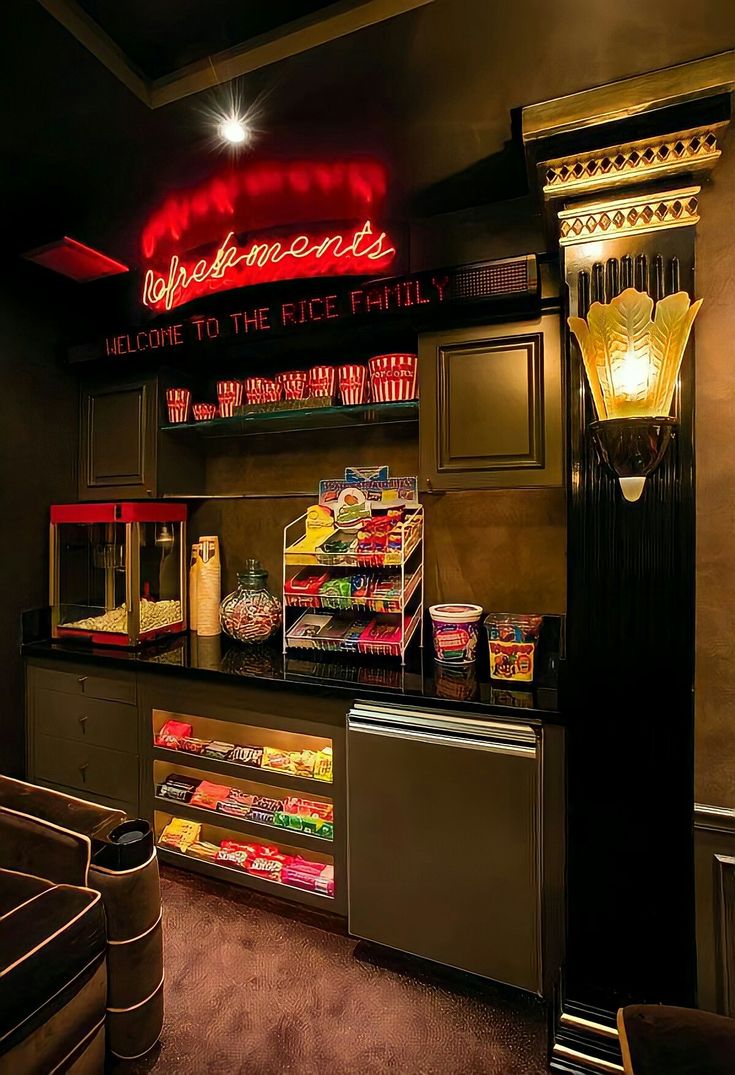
column 632, row 361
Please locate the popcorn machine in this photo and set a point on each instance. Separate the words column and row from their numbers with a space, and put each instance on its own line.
column 117, row 571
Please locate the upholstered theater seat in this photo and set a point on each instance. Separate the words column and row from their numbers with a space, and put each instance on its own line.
column 660, row 1040
column 53, row 978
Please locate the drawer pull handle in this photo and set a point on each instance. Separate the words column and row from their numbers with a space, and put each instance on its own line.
column 83, row 724
column 81, row 680
column 83, row 772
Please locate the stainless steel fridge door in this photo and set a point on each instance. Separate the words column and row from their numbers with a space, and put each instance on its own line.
column 444, row 841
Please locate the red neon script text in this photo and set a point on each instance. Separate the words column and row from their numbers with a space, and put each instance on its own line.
column 340, row 253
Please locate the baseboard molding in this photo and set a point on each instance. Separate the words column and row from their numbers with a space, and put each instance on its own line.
column 586, row 1042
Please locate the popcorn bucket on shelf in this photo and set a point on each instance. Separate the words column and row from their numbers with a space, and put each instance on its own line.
column 353, row 384
column 322, row 381
column 229, row 394
column 262, row 390
column 204, row 412
column 394, row 377
column 294, row 384
column 178, row 401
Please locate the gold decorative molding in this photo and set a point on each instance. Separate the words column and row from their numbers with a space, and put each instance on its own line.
column 619, row 217
column 634, row 162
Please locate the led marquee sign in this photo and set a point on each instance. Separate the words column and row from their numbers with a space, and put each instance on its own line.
column 269, row 215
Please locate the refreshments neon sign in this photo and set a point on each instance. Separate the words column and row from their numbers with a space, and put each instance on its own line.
column 358, row 250
column 270, row 214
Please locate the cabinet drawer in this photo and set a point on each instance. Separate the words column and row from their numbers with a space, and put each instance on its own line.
column 93, row 685
column 86, row 719
column 87, row 768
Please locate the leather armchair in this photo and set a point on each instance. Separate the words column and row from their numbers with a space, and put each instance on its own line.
column 660, row 1040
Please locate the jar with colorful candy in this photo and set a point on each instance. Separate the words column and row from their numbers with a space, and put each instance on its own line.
column 251, row 614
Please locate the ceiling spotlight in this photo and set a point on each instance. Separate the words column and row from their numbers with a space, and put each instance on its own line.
column 234, row 130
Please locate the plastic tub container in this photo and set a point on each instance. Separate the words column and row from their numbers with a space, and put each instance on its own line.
column 455, row 629
column 512, row 639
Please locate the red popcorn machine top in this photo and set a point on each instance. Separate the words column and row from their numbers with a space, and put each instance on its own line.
column 118, row 571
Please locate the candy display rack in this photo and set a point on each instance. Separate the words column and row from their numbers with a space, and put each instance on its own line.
column 351, row 600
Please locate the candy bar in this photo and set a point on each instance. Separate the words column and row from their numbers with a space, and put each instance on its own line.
column 246, row 755
column 178, row 787
column 237, row 804
column 324, row 883
column 171, row 734
column 323, row 765
column 219, row 751
column 263, row 817
column 194, row 746
column 302, row 874
column 180, row 834
column 232, row 853
column 268, row 866
column 208, row 794
column 276, row 759
column 203, row 850
column 308, row 808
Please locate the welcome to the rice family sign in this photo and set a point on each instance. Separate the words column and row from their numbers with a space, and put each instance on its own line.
column 377, row 299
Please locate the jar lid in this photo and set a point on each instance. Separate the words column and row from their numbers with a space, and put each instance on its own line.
column 252, row 569
column 455, row 613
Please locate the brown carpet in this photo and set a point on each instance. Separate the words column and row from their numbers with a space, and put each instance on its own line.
column 254, row 987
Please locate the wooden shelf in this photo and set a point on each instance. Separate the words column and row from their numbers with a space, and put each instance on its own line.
column 274, row 833
column 231, row 874
column 244, row 772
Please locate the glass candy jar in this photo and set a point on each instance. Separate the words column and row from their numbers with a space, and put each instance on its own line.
column 251, row 613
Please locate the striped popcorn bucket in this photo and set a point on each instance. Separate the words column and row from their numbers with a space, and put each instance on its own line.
column 294, row 383
column 352, row 380
column 229, row 394
column 204, row 412
column 394, row 377
column 178, row 401
column 262, row 390
column 322, row 381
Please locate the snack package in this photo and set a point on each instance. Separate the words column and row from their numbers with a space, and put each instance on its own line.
column 308, row 808
column 300, row 873
column 193, row 746
column 301, row 762
column 178, row 787
column 276, row 759
column 324, row 883
column 208, row 795
column 201, row 849
column 218, row 751
column 264, row 802
column 171, row 734
column 179, row 834
column 323, row 765
column 269, row 867
column 233, row 853
column 237, row 804
column 246, row 756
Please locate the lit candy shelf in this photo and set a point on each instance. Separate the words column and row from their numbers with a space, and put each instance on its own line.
column 290, row 421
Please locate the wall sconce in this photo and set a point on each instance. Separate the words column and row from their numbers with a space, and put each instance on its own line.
column 632, row 361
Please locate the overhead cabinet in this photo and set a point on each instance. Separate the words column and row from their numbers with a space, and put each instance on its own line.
column 491, row 406
column 122, row 453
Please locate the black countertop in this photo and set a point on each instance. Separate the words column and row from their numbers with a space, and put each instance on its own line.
column 422, row 682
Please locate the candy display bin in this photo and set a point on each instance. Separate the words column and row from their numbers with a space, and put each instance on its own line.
column 117, row 572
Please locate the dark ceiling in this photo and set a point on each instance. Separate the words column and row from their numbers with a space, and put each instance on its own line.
column 160, row 36
column 430, row 93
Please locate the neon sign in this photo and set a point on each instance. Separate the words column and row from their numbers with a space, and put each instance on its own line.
column 269, row 214
column 355, row 251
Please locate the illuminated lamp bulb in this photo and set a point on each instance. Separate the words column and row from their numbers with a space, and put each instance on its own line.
column 234, row 130
column 632, row 356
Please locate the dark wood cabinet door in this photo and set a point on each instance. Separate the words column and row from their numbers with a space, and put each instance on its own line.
column 118, row 437
column 491, row 406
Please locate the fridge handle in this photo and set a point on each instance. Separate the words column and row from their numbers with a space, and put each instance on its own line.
column 493, row 745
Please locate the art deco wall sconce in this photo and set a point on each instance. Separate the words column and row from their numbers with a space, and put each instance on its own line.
column 632, row 362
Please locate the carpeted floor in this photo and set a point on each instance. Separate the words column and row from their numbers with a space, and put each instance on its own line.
column 254, row 987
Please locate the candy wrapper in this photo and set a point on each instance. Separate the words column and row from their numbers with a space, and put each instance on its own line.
column 237, row 804
column 171, row 734
column 233, row 853
column 203, row 850
column 218, row 751
column 252, row 756
column 179, row 835
column 192, row 745
column 177, row 787
column 208, row 795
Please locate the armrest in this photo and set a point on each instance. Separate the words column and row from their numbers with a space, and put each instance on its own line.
column 76, row 815
column 42, row 849
column 660, row 1040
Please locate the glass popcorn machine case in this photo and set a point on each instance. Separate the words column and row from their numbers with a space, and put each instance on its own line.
column 118, row 572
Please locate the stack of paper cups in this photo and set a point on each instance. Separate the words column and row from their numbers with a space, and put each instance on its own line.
column 209, row 586
column 193, row 577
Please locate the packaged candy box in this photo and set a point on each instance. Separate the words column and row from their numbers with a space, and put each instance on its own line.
column 512, row 640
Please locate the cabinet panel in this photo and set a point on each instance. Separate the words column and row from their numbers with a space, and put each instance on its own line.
column 86, row 768
column 86, row 719
column 118, row 438
column 491, row 406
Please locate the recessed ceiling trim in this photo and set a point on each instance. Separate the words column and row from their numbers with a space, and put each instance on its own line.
column 318, row 28
column 93, row 37
column 300, row 35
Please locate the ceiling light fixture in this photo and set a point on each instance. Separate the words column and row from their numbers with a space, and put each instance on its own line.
column 235, row 131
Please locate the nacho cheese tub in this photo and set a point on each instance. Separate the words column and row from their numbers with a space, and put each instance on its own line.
column 455, row 629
